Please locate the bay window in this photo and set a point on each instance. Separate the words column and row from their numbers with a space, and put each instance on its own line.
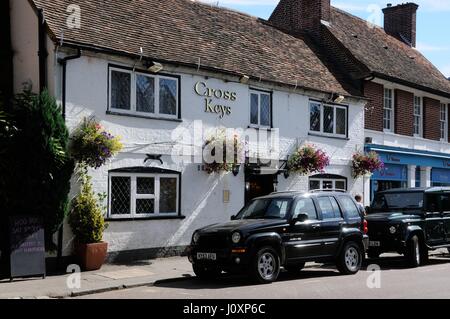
column 139, row 195
column 328, row 119
column 143, row 94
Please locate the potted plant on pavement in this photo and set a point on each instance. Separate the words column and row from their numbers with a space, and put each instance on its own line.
column 91, row 146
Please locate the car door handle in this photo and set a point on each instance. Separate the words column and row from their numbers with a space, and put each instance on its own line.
column 315, row 226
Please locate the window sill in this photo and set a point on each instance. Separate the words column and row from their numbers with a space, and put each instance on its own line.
column 261, row 128
column 125, row 219
column 144, row 116
column 343, row 138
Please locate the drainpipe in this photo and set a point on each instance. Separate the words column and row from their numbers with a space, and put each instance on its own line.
column 42, row 51
column 63, row 62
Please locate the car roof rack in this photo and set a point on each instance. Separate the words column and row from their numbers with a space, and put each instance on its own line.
column 328, row 190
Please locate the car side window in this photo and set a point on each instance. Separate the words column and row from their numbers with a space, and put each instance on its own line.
column 326, row 207
column 336, row 210
column 445, row 202
column 305, row 206
column 349, row 207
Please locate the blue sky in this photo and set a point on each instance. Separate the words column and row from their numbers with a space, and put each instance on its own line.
column 433, row 21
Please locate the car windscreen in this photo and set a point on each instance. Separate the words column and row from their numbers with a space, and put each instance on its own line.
column 395, row 201
column 267, row 208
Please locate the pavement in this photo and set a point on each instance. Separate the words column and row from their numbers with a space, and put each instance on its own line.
column 109, row 278
column 173, row 278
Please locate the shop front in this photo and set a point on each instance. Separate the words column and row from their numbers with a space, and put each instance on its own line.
column 409, row 168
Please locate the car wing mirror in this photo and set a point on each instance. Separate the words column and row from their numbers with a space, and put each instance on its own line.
column 301, row 218
column 233, row 217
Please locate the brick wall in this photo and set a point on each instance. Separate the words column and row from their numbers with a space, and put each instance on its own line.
column 374, row 109
column 404, row 112
column 431, row 119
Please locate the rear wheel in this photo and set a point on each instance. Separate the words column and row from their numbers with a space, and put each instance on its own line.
column 414, row 252
column 295, row 269
column 265, row 265
column 206, row 272
column 350, row 260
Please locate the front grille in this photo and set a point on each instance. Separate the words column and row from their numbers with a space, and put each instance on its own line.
column 214, row 241
column 378, row 229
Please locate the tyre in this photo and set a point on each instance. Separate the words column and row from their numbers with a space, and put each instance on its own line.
column 373, row 254
column 350, row 259
column 294, row 269
column 414, row 253
column 205, row 272
column 265, row 265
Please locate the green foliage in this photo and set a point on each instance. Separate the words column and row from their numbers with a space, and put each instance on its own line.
column 35, row 168
column 86, row 215
column 92, row 145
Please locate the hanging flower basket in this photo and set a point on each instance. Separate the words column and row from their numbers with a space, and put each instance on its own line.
column 366, row 164
column 92, row 145
column 220, row 144
column 307, row 160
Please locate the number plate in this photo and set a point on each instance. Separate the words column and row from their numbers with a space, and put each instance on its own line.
column 374, row 244
column 206, row 256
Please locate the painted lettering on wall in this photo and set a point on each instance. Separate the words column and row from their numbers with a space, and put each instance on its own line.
column 211, row 96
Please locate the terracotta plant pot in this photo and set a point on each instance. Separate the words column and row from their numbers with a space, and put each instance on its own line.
column 92, row 256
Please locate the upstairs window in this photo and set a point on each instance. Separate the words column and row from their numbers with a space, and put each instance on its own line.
column 418, row 116
column 444, row 122
column 328, row 119
column 260, row 109
column 388, row 110
column 143, row 94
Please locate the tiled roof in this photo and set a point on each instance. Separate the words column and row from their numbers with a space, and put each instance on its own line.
column 187, row 32
column 384, row 54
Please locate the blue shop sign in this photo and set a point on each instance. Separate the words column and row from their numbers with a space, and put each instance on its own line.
column 396, row 155
column 392, row 172
column 439, row 175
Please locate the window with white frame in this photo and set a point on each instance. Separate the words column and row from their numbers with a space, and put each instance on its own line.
column 444, row 122
column 418, row 116
column 135, row 195
column 143, row 94
column 324, row 183
column 260, row 109
column 388, row 110
column 328, row 119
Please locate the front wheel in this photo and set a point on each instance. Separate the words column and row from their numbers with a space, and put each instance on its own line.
column 414, row 254
column 265, row 265
column 205, row 272
column 350, row 260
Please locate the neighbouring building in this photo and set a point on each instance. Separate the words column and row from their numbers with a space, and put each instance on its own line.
column 406, row 119
column 150, row 70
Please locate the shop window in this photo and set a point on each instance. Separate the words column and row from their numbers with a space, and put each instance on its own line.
column 328, row 119
column 260, row 109
column 143, row 94
column 388, row 110
column 138, row 195
column 330, row 182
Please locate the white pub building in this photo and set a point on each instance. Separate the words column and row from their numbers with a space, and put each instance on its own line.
column 158, row 74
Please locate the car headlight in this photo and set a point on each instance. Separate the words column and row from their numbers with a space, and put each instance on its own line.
column 236, row 237
column 196, row 237
column 393, row 230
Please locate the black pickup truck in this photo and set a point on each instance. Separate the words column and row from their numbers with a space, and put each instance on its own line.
column 283, row 230
column 409, row 221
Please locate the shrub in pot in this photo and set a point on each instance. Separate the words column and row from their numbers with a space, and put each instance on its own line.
column 87, row 222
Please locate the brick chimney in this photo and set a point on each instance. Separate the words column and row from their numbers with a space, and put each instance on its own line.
column 400, row 22
column 301, row 15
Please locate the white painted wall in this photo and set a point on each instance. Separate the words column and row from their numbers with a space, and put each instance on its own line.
column 202, row 194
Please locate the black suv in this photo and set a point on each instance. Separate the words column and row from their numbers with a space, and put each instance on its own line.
column 410, row 222
column 283, row 229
